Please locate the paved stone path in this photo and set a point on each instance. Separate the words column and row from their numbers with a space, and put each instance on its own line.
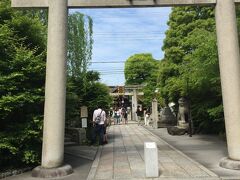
column 123, row 157
column 205, row 149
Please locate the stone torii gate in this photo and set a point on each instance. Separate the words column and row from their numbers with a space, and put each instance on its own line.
column 54, row 114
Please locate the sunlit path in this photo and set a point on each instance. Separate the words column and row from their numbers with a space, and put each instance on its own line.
column 123, row 157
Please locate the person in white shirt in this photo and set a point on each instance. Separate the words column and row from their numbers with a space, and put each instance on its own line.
column 118, row 116
column 115, row 116
column 99, row 118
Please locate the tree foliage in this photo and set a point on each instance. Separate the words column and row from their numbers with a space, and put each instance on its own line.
column 139, row 68
column 22, row 70
column 190, row 66
column 80, row 43
column 93, row 94
column 22, row 79
column 83, row 87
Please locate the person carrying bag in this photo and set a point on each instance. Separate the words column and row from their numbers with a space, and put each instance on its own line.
column 99, row 118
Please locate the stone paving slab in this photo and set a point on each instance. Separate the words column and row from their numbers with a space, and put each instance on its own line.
column 82, row 151
column 123, row 158
column 205, row 149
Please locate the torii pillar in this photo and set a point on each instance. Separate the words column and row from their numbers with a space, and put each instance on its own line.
column 155, row 113
column 229, row 62
column 55, row 92
column 134, row 105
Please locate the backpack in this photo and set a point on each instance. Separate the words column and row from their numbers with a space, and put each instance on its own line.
column 98, row 118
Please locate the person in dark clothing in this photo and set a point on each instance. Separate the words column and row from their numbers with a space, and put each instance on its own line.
column 124, row 115
column 99, row 118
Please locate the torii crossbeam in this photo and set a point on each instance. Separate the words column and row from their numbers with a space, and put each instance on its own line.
column 55, row 91
column 113, row 3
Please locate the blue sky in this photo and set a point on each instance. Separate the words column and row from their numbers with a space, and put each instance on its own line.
column 121, row 33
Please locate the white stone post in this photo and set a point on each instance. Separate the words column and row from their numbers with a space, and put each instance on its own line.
column 151, row 159
column 133, row 117
column 155, row 113
column 55, row 93
column 229, row 62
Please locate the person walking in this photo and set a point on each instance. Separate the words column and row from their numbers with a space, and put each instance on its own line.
column 121, row 115
column 111, row 117
column 99, row 118
column 115, row 116
column 124, row 115
column 139, row 115
column 106, row 124
column 118, row 115
column 147, row 116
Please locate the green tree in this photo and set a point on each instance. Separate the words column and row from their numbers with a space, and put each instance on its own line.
column 22, row 75
column 151, row 91
column 79, row 55
column 142, row 69
column 184, row 20
column 80, row 43
column 98, row 94
column 190, row 66
column 95, row 94
column 139, row 68
column 83, row 87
